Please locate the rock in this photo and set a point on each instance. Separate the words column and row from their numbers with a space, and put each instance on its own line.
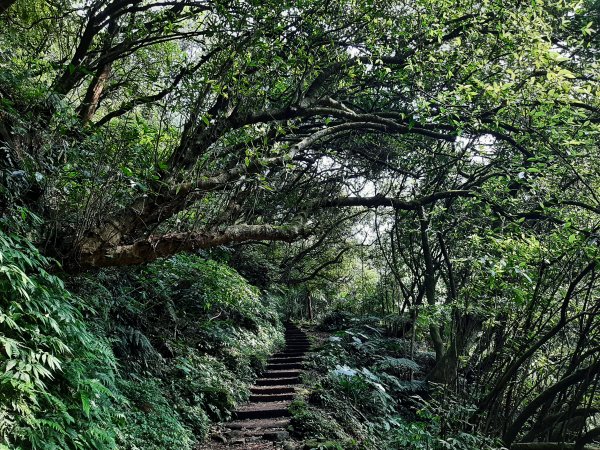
column 238, row 441
column 219, row 438
column 289, row 445
column 276, row 436
column 234, row 434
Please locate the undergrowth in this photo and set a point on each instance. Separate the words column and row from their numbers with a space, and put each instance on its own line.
column 190, row 335
column 141, row 358
column 365, row 391
column 57, row 377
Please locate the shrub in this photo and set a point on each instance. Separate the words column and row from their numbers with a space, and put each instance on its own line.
column 56, row 376
column 192, row 331
column 150, row 423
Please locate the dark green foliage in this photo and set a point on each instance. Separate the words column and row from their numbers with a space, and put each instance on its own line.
column 56, row 376
column 365, row 387
column 191, row 334
column 432, row 162
column 336, row 320
column 150, row 422
column 322, row 431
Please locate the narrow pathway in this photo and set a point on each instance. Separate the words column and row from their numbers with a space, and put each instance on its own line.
column 266, row 417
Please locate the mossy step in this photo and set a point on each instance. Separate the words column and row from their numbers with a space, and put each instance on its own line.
column 284, row 365
column 281, row 373
column 283, row 359
column 263, row 411
column 289, row 354
column 255, row 424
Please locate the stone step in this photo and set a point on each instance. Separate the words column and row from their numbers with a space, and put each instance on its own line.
column 277, row 381
column 271, row 397
column 283, row 359
column 289, row 354
column 284, row 366
column 270, row 410
column 258, row 424
column 281, row 373
column 265, row 390
column 270, row 434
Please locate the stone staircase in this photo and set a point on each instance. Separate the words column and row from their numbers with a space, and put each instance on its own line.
column 266, row 417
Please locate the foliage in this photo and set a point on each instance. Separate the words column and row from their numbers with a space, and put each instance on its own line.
column 57, row 377
column 362, row 387
column 430, row 162
column 150, row 422
column 61, row 385
column 191, row 335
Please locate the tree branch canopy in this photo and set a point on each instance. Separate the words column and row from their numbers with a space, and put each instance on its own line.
column 395, row 203
column 166, row 245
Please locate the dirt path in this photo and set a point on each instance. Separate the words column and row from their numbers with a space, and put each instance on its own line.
column 262, row 423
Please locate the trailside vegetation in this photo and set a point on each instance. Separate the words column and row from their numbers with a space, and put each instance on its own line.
column 144, row 359
column 178, row 176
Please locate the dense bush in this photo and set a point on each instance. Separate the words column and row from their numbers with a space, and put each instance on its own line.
column 56, row 375
column 190, row 334
column 134, row 359
column 365, row 387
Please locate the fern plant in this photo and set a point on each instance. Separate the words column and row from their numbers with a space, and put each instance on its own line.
column 55, row 375
column 397, row 365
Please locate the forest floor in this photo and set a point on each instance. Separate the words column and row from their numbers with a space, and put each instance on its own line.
column 264, row 422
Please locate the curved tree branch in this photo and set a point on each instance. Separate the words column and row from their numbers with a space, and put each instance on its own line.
column 161, row 246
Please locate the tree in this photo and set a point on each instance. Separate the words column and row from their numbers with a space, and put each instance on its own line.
column 254, row 95
column 137, row 129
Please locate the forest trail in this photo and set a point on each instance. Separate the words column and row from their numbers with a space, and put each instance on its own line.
column 263, row 422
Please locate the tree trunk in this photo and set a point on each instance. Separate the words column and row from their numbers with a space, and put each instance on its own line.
column 434, row 329
column 309, row 306
column 510, row 372
column 93, row 94
column 446, row 369
column 576, row 377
